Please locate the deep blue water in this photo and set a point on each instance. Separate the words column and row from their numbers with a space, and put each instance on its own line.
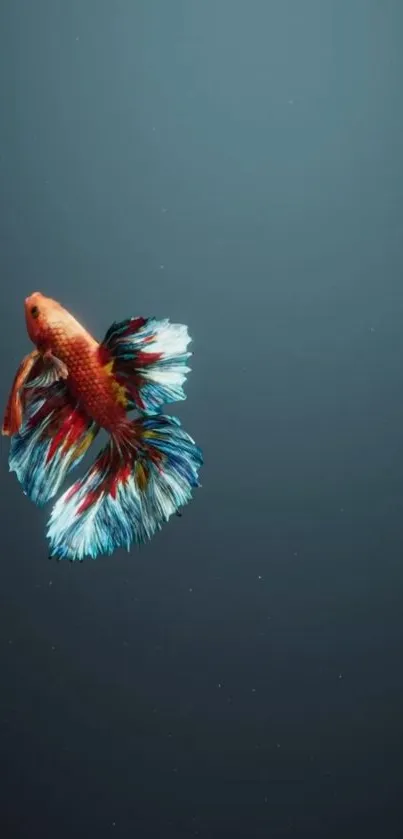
column 236, row 166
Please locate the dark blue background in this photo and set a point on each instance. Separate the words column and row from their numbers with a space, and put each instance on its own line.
column 236, row 166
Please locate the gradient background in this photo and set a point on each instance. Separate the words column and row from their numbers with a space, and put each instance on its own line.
column 236, row 166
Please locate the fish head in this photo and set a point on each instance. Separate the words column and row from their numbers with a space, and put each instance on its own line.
column 41, row 314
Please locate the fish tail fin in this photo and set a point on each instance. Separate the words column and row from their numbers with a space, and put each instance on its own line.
column 143, row 475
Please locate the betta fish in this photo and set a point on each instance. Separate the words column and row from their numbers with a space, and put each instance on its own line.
column 66, row 390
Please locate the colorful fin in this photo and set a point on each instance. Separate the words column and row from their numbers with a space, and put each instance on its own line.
column 54, row 437
column 136, row 483
column 148, row 358
column 34, row 371
column 48, row 370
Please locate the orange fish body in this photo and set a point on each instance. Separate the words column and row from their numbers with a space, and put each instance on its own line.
column 68, row 388
column 56, row 331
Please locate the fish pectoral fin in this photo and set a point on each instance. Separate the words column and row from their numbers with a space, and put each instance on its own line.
column 14, row 408
column 48, row 370
column 60, row 368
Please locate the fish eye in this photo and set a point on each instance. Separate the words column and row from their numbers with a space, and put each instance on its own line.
column 34, row 311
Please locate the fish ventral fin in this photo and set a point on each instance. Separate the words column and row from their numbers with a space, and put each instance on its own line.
column 15, row 405
column 148, row 359
column 137, row 482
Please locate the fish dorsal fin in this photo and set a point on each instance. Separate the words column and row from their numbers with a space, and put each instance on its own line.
column 148, row 359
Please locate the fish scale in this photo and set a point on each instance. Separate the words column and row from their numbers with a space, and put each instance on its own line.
column 89, row 381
